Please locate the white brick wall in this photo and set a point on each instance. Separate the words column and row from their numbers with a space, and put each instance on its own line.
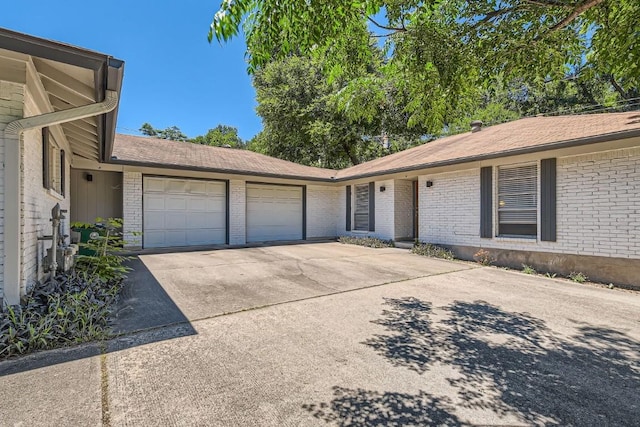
column 449, row 211
column 403, row 207
column 11, row 108
column 237, row 212
column 322, row 211
column 598, row 208
column 132, row 208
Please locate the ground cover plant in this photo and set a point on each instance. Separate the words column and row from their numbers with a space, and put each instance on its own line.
column 370, row 242
column 427, row 249
column 71, row 307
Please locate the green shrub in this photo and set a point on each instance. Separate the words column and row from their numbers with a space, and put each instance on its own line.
column 578, row 277
column 371, row 242
column 527, row 269
column 427, row 249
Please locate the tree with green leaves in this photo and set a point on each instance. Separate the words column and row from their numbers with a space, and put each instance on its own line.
column 309, row 119
column 439, row 54
column 220, row 136
column 173, row 132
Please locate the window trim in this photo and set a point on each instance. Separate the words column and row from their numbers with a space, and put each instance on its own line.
column 496, row 204
column 53, row 165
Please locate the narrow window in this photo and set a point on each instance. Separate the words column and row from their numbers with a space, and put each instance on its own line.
column 361, row 215
column 518, row 200
column 45, row 158
column 63, row 177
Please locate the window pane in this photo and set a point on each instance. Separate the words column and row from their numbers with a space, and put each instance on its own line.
column 361, row 215
column 518, row 200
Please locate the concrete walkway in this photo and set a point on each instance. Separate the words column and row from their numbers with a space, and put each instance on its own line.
column 470, row 346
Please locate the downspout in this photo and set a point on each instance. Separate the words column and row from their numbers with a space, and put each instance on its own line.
column 13, row 177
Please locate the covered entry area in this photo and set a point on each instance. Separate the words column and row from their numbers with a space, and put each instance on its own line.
column 275, row 212
column 95, row 194
column 183, row 212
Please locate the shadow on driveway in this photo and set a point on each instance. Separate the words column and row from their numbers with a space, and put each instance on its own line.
column 143, row 306
column 506, row 362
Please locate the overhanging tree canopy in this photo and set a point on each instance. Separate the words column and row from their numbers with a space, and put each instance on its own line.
column 438, row 52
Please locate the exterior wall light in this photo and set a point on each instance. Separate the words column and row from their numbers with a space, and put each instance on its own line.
column 382, row 188
column 429, row 184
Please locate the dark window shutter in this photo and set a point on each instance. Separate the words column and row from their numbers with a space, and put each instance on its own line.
column 372, row 206
column 348, row 219
column 46, row 183
column 63, row 178
column 548, row 225
column 486, row 202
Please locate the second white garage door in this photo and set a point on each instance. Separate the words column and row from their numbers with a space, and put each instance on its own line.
column 183, row 212
column 274, row 212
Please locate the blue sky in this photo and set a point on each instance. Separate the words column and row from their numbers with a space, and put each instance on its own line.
column 173, row 76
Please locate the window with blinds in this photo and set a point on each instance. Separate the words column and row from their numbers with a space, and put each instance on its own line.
column 518, row 200
column 361, row 213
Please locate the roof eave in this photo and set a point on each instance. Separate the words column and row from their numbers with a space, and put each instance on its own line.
column 218, row 170
column 108, row 74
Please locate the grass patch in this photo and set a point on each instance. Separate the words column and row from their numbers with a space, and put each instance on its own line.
column 434, row 251
column 578, row 277
column 370, row 242
column 527, row 269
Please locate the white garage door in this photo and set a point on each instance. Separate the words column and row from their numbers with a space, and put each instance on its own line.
column 183, row 212
column 274, row 212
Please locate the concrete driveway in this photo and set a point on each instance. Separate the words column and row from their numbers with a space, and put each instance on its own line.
column 455, row 345
column 210, row 283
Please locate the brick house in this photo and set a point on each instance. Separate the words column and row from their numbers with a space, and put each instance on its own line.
column 559, row 193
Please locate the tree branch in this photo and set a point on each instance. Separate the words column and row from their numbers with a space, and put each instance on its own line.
column 588, row 4
column 548, row 3
column 385, row 27
column 617, row 87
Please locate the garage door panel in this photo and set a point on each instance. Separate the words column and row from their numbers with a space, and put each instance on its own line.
column 154, row 185
column 175, row 203
column 274, row 213
column 176, row 186
column 175, row 220
column 196, row 204
column 202, row 237
column 215, row 188
column 183, row 212
column 154, row 202
column 154, row 221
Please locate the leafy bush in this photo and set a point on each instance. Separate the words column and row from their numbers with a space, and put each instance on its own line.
column 483, row 257
column 371, row 242
column 427, row 249
column 527, row 269
column 70, row 309
column 578, row 277
column 107, row 263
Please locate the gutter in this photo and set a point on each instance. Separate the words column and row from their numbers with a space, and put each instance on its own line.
column 13, row 185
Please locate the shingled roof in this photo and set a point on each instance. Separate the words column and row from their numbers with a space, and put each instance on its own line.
column 145, row 151
column 517, row 137
column 520, row 136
